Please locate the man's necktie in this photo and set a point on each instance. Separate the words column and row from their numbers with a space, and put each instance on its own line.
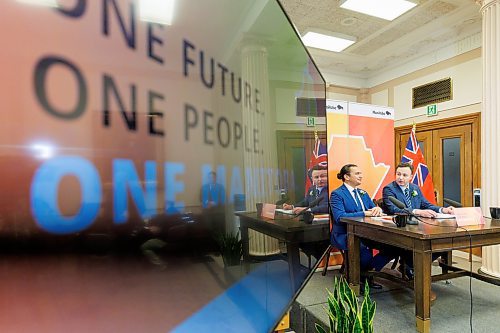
column 358, row 203
column 407, row 198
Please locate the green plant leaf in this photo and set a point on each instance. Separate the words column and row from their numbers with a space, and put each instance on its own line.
column 319, row 328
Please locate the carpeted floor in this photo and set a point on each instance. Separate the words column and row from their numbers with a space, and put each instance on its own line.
column 396, row 309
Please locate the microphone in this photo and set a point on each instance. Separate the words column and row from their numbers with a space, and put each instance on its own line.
column 402, row 206
column 284, row 199
column 452, row 203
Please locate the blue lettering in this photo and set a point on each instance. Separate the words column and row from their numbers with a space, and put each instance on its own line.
column 125, row 175
column 172, row 187
column 44, row 189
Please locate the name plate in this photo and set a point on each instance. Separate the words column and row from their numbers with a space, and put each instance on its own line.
column 268, row 210
column 468, row 216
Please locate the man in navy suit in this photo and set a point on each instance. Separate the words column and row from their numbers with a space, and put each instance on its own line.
column 319, row 189
column 319, row 176
column 350, row 201
column 410, row 194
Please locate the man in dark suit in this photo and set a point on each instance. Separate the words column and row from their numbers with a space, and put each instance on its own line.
column 350, row 201
column 319, row 177
column 410, row 194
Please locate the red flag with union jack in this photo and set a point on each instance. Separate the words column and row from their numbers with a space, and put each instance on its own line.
column 421, row 177
column 318, row 157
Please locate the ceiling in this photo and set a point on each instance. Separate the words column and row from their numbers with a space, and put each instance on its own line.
column 385, row 45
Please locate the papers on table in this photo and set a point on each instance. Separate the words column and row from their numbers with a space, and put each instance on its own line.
column 321, row 217
column 284, row 211
column 444, row 216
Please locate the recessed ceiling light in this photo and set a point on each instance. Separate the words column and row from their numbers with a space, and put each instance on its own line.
column 157, row 11
column 385, row 9
column 327, row 42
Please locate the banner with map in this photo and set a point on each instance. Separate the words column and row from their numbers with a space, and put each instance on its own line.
column 361, row 134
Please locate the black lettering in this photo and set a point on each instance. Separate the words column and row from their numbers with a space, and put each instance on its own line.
column 202, row 70
column 186, row 59
column 129, row 35
column 207, row 116
column 223, row 78
column 77, row 10
column 236, row 99
column 129, row 117
column 152, row 40
column 257, row 100
column 41, row 70
column 256, row 140
column 248, row 95
column 223, row 121
column 237, row 134
column 154, row 114
column 189, row 122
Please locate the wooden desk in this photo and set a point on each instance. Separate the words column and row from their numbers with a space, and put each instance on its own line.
column 291, row 231
column 423, row 239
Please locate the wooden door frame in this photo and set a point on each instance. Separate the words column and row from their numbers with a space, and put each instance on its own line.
column 473, row 119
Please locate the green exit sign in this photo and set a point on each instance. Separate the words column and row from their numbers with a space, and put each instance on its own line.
column 310, row 121
column 432, row 110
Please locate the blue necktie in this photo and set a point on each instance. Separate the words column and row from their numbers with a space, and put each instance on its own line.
column 407, row 198
column 358, row 203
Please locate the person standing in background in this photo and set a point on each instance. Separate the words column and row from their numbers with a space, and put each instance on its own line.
column 212, row 194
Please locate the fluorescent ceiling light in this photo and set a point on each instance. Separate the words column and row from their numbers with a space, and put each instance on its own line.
column 157, row 11
column 47, row 3
column 327, row 42
column 385, row 9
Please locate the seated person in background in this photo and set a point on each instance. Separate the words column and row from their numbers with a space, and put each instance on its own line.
column 349, row 201
column 409, row 194
column 319, row 176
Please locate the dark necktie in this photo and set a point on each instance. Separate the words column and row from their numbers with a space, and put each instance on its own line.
column 407, row 198
column 358, row 203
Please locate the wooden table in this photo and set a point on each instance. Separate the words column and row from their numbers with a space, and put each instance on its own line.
column 423, row 239
column 287, row 229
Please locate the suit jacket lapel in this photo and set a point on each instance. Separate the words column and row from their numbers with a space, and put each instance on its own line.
column 348, row 194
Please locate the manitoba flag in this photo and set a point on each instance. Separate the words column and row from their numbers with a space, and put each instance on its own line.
column 421, row 176
column 318, row 157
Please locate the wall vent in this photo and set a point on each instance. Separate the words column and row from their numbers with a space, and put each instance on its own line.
column 310, row 107
column 431, row 93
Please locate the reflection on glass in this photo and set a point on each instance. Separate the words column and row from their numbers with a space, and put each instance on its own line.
column 162, row 134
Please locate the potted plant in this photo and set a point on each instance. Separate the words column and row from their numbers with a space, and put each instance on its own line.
column 344, row 313
column 231, row 248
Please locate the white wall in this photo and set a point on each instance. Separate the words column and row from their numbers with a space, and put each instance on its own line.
column 466, row 86
column 380, row 98
column 341, row 97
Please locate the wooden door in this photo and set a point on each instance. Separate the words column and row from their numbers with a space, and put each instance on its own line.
column 458, row 166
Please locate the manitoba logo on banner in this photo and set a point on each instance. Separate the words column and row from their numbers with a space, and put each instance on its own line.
column 421, row 177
